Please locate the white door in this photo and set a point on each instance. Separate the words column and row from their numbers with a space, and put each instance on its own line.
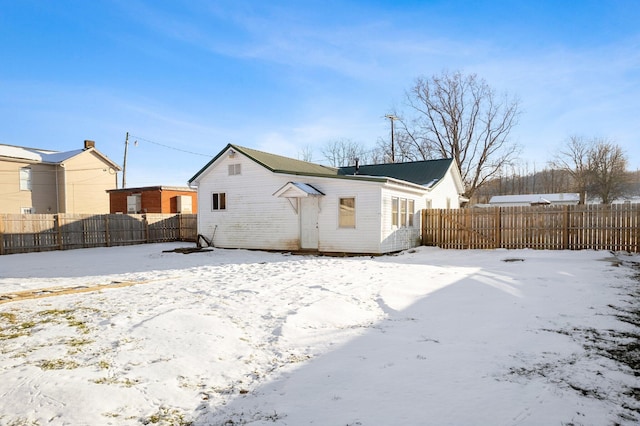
column 309, row 223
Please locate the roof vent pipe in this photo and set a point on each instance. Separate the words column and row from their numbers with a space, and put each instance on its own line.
column 357, row 166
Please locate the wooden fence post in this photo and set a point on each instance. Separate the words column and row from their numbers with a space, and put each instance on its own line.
column 423, row 226
column 498, row 231
column 107, row 236
column 56, row 222
column 565, row 232
column 440, row 234
column 146, row 227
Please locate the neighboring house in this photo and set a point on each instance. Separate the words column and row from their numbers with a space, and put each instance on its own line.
column 43, row 181
column 256, row 200
column 561, row 199
column 153, row 199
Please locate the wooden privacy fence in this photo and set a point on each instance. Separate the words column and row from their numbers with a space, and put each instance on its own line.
column 23, row 233
column 598, row 227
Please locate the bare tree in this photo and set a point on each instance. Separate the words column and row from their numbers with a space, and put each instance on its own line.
column 597, row 166
column 552, row 180
column 607, row 167
column 306, row 153
column 573, row 158
column 380, row 154
column 459, row 116
column 343, row 152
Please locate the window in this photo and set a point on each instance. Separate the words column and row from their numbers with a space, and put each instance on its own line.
column 25, row 179
column 234, row 169
column 27, row 210
column 394, row 210
column 134, row 203
column 347, row 213
column 219, row 201
column 403, row 212
column 411, row 212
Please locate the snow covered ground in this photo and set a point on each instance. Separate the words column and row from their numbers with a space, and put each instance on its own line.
column 232, row 337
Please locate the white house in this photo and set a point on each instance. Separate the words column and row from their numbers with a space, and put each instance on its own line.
column 535, row 200
column 255, row 200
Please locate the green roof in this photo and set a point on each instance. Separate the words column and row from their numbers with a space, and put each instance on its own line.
column 275, row 163
column 280, row 164
column 425, row 173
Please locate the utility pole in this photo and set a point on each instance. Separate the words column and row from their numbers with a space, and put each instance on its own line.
column 124, row 163
column 392, row 118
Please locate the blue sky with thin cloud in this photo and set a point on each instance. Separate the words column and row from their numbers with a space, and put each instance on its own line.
column 185, row 78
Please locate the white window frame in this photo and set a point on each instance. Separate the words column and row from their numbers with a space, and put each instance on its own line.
column 395, row 211
column 403, row 212
column 346, row 220
column 235, row 169
column 411, row 207
column 218, row 201
column 27, row 210
column 25, row 178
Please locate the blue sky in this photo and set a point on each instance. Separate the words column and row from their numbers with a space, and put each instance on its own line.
column 185, row 78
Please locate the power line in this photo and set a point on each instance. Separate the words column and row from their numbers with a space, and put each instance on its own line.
column 138, row 138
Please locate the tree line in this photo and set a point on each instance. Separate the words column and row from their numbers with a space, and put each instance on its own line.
column 453, row 115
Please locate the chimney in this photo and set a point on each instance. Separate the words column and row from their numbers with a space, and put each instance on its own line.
column 89, row 144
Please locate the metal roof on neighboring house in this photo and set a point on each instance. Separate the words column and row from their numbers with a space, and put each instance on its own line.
column 45, row 155
column 536, row 198
column 32, row 154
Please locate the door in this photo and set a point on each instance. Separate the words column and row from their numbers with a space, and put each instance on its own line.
column 309, row 223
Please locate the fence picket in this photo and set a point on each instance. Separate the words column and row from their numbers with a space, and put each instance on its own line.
column 601, row 227
column 23, row 233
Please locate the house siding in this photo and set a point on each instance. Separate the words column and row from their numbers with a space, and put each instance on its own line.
column 253, row 218
column 41, row 197
column 444, row 194
column 398, row 237
column 62, row 192
column 365, row 237
column 86, row 180
column 152, row 199
column 169, row 202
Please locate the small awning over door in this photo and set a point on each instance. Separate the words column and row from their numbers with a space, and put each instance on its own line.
column 297, row 190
